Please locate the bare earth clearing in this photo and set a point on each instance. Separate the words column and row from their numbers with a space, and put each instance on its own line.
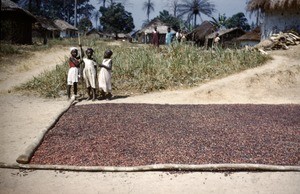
column 22, row 118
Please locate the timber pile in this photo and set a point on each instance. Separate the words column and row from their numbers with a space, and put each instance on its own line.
column 283, row 40
column 278, row 41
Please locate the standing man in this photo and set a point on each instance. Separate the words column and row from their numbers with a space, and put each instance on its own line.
column 169, row 37
column 155, row 37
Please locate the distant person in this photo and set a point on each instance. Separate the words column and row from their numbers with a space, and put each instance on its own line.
column 178, row 36
column 104, row 78
column 90, row 73
column 155, row 37
column 216, row 40
column 169, row 36
column 73, row 73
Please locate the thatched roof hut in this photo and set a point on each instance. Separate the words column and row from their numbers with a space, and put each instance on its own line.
column 16, row 23
column 145, row 34
column 198, row 34
column 273, row 4
column 66, row 29
column 226, row 36
column 250, row 38
column 46, row 26
column 278, row 15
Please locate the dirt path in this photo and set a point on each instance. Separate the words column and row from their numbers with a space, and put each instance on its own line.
column 22, row 118
column 22, row 70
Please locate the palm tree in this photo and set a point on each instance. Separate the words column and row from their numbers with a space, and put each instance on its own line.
column 194, row 8
column 219, row 22
column 149, row 7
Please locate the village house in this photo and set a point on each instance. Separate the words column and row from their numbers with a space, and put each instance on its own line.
column 251, row 38
column 277, row 15
column 16, row 23
column 66, row 29
column 44, row 28
column 227, row 37
column 198, row 34
column 145, row 34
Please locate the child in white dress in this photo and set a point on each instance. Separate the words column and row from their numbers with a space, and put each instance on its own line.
column 104, row 78
column 74, row 63
column 90, row 73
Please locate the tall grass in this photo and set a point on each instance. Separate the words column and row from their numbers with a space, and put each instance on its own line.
column 142, row 68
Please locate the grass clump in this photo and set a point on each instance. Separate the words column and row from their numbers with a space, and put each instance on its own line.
column 48, row 84
column 142, row 68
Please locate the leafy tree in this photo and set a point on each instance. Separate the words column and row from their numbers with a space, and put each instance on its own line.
column 165, row 17
column 85, row 24
column 116, row 19
column 63, row 9
column 238, row 20
column 194, row 8
column 149, row 7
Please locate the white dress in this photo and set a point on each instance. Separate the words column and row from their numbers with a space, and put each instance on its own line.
column 89, row 72
column 72, row 75
column 104, row 78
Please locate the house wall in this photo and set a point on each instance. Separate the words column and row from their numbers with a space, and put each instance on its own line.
column 67, row 33
column 16, row 27
column 276, row 21
column 248, row 43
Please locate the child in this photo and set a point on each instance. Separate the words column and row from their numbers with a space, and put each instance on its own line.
column 90, row 73
column 105, row 75
column 74, row 63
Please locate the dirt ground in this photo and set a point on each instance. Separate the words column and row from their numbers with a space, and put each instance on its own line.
column 23, row 117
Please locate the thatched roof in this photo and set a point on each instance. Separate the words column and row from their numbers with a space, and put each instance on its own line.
column 254, row 35
column 223, row 32
column 201, row 31
column 161, row 27
column 273, row 4
column 7, row 5
column 63, row 25
column 47, row 23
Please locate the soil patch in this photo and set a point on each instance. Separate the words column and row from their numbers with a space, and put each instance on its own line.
column 144, row 134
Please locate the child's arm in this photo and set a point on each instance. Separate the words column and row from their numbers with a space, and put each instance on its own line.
column 108, row 68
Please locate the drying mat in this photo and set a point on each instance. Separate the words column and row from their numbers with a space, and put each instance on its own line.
column 128, row 135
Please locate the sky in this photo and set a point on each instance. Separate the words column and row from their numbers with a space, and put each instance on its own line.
column 227, row 7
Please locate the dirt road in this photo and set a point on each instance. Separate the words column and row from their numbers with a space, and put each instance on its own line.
column 22, row 118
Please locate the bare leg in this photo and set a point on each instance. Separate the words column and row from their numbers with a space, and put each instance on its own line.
column 69, row 91
column 75, row 88
column 94, row 94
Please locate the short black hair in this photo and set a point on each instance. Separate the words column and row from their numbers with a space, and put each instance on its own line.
column 108, row 53
column 89, row 49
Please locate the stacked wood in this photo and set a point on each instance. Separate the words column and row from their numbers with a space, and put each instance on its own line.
column 283, row 40
column 279, row 41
